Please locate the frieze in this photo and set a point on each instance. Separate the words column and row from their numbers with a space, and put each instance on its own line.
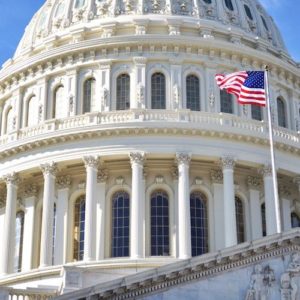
column 266, row 171
column 30, row 190
column 254, row 182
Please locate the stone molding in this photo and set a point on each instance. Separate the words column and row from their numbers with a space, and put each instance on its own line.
column 284, row 190
column 174, row 173
column 227, row 162
column 91, row 161
column 30, row 190
column 183, row 158
column 137, row 158
column 254, row 182
column 63, row 182
column 102, row 175
column 12, row 178
column 216, row 176
column 49, row 169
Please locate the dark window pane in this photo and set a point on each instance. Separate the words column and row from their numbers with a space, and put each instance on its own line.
column 158, row 91
column 123, row 92
column 281, row 113
column 226, row 102
column 192, row 93
column 256, row 112
column 239, row 214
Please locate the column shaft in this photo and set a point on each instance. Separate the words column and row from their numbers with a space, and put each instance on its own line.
column 255, row 211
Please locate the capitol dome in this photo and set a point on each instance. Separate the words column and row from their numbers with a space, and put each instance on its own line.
column 125, row 173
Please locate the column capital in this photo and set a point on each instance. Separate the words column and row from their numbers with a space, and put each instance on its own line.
column 254, row 182
column 284, row 191
column 183, row 158
column 227, row 162
column 102, row 175
column 49, row 168
column 91, row 161
column 63, row 182
column 266, row 171
column 137, row 158
column 216, row 176
column 296, row 180
column 12, row 178
column 30, row 190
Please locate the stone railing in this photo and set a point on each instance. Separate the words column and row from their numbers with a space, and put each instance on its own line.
column 17, row 294
column 218, row 122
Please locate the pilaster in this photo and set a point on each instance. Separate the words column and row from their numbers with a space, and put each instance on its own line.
column 139, row 98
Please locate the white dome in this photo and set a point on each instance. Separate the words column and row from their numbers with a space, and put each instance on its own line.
column 58, row 19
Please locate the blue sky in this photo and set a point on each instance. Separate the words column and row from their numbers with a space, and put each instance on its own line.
column 15, row 15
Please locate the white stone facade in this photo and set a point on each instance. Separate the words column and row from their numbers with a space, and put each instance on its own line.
column 68, row 133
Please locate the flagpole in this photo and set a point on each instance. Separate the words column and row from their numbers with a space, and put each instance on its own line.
column 274, row 173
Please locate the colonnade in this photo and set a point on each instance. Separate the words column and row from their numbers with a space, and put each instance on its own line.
column 224, row 202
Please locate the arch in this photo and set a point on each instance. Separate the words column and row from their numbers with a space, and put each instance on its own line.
column 19, row 234
column 89, row 95
column 60, row 9
column 199, row 223
column 193, row 92
column 160, row 232
column 240, row 220
column 226, row 102
column 295, row 220
column 123, row 92
column 281, row 112
column 120, row 224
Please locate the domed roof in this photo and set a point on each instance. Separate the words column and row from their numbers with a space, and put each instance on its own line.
column 57, row 19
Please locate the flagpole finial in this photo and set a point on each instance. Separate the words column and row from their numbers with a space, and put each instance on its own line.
column 266, row 68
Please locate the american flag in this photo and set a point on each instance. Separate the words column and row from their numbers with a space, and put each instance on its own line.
column 248, row 86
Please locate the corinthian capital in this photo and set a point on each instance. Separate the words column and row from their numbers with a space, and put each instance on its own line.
column 91, row 161
column 137, row 157
column 12, row 178
column 216, row 176
column 227, row 162
column 183, row 158
column 266, row 171
column 49, row 168
column 63, row 182
column 102, row 175
column 30, row 190
column 253, row 182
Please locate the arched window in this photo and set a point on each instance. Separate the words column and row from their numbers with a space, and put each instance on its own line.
column 226, row 102
column 53, row 233
column 60, row 103
column 199, row 224
column 281, row 112
column 192, row 93
column 229, row 5
column 120, row 224
column 265, row 23
column 9, row 121
column 295, row 220
column 248, row 12
column 79, row 223
column 240, row 226
column 256, row 112
column 19, row 231
column 32, row 112
column 159, row 224
column 158, row 91
column 263, row 219
column 123, row 92
column 89, row 97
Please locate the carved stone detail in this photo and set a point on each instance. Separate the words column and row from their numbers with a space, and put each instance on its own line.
column 174, row 173
column 159, row 179
column 12, row 178
column 284, row 190
column 31, row 190
column 102, row 175
column 91, row 161
column 49, row 168
column 216, row 176
column 63, row 182
column 120, row 180
column 227, row 162
column 137, row 158
column 183, row 158
column 254, row 182
column 198, row 181
column 266, row 171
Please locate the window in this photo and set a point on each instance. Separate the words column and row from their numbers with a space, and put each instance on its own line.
column 32, row 112
column 159, row 224
column 19, row 232
column 295, row 220
column 53, row 233
column 239, row 214
column 281, row 113
column 158, row 91
column 265, row 23
column 89, row 97
column 248, row 12
column 199, row 227
column 207, row 1
column 226, row 102
column 9, row 121
column 120, row 225
column 79, row 3
column 263, row 219
column 192, row 93
column 60, row 9
column 79, row 223
column 123, row 92
column 256, row 112
column 229, row 4
column 60, row 104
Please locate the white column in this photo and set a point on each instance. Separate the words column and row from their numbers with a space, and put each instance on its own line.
column 255, row 207
column 91, row 165
column 269, row 200
column 49, row 172
column 138, row 97
column 9, row 223
column 217, row 185
column 29, row 204
column 102, row 178
column 284, row 195
column 174, row 239
column 184, row 214
column 230, row 233
column 137, row 214
column 60, row 250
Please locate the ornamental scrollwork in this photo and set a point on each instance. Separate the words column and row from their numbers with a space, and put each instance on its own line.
column 137, row 158
column 63, row 182
column 183, row 158
column 49, row 168
column 12, row 178
column 91, row 161
column 31, row 190
column 227, row 162
column 266, row 170
column 253, row 182
column 216, row 176
column 102, row 175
